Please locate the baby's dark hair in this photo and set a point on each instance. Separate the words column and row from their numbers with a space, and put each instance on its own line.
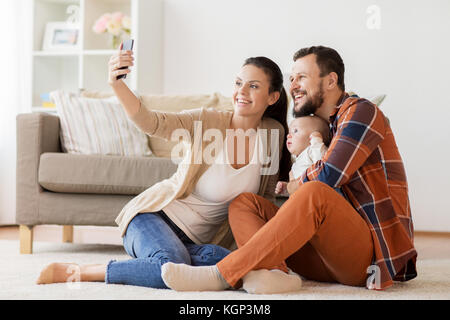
column 324, row 129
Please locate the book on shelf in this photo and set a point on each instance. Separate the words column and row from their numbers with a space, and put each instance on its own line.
column 47, row 101
column 46, row 104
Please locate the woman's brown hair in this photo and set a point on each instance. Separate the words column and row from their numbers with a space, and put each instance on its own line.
column 279, row 109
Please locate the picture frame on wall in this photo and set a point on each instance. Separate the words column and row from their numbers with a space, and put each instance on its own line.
column 61, row 36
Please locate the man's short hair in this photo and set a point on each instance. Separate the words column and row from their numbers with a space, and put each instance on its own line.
column 328, row 61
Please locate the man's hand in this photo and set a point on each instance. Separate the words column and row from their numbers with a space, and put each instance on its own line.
column 292, row 186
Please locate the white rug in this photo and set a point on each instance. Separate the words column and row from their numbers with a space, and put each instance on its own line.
column 18, row 274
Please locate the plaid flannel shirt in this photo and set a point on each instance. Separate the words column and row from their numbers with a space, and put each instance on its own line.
column 364, row 162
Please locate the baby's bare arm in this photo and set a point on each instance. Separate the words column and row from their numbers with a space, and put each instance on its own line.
column 291, row 176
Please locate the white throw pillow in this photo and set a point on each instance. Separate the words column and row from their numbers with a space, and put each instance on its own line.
column 378, row 99
column 97, row 126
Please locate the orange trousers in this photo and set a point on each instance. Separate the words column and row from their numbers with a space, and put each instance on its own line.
column 316, row 233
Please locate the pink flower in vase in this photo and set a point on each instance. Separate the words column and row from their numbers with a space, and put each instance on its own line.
column 101, row 24
column 117, row 24
column 117, row 17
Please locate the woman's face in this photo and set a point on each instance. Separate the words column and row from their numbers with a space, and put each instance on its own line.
column 251, row 92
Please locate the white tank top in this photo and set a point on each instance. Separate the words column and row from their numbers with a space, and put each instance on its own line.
column 201, row 213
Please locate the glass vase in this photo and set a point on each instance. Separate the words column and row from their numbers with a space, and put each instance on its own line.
column 114, row 41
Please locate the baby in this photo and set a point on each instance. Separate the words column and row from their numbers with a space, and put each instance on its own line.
column 307, row 141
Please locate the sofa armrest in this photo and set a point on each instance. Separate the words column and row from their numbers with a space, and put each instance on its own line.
column 36, row 133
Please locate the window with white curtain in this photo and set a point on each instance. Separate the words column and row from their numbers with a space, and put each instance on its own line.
column 13, row 56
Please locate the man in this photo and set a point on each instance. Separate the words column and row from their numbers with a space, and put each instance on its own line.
column 362, row 235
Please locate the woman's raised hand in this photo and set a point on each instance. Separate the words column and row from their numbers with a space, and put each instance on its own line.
column 117, row 61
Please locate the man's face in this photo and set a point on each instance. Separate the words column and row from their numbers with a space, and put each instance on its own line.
column 306, row 86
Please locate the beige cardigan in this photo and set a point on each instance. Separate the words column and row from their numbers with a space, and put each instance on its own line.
column 182, row 182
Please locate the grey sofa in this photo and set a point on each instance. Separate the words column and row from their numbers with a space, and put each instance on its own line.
column 68, row 189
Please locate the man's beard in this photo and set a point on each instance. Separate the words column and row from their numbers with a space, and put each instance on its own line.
column 311, row 105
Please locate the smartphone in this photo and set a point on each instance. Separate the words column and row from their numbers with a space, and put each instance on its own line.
column 127, row 45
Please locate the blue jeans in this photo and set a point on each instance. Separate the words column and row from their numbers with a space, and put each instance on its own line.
column 152, row 239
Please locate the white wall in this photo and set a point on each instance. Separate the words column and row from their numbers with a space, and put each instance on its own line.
column 206, row 41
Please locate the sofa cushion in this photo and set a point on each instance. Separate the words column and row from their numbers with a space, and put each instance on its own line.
column 177, row 103
column 170, row 103
column 97, row 126
column 73, row 173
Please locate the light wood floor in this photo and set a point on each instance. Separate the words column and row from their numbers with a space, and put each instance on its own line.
column 429, row 245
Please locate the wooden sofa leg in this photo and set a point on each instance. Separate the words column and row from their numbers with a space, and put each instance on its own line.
column 26, row 239
column 67, row 233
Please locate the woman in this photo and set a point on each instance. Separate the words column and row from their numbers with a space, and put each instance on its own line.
column 176, row 219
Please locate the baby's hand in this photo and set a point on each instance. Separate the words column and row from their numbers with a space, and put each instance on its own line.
column 281, row 188
column 315, row 135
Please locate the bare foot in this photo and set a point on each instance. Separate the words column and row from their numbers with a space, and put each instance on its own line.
column 60, row 272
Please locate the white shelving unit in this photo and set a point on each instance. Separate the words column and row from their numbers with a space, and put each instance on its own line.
column 87, row 66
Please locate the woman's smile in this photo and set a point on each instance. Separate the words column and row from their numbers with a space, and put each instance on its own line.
column 242, row 102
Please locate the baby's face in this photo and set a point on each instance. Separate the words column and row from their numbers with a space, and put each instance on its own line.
column 298, row 137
